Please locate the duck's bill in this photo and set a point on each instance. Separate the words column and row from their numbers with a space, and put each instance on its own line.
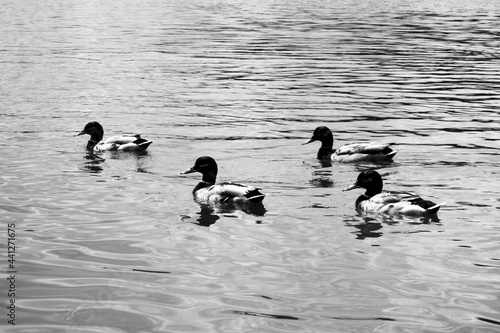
column 352, row 187
column 81, row 133
column 311, row 139
column 191, row 170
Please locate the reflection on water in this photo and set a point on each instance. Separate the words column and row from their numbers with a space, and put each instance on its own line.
column 377, row 225
column 322, row 177
column 93, row 163
column 366, row 229
column 96, row 162
column 115, row 243
column 208, row 215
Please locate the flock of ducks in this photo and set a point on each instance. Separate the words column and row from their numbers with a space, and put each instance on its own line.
column 374, row 200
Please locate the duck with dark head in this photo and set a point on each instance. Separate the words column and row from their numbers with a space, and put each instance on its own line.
column 374, row 200
column 208, row 192
column 121, row 143
column 351, row 152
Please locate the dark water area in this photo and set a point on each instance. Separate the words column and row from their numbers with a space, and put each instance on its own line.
column 115, row 242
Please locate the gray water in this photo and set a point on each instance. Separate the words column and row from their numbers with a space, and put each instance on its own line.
column 117, row 244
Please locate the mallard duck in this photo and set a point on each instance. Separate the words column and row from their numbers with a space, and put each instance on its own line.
column 351, row 152
column 208, row 192
column 123, row 143
column 390, row 203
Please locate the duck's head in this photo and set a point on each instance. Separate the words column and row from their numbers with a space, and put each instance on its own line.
column 369, row 180
column 95, row 130
column 323, row 134
column 206, row 166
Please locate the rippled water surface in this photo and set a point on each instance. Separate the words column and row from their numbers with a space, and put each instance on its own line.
column 116, row 243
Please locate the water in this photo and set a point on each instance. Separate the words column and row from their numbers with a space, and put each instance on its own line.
column 118, row 245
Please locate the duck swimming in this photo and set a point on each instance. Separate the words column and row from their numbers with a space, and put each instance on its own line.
column 122, row 143
column 390, row 203
column 352, row 152
column 208, row 192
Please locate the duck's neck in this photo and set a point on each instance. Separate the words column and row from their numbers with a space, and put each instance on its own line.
column 324, row 153
column 360, row 199
column 373, row 190
column 326, row 147
column 209, row 177
column 95, row 138
column 92, row 143
column 96, row 135
column 201, row 185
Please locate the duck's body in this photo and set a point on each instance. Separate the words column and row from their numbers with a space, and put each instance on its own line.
column 121, row 143
column 208, row 192
column 352, row 152
column 395, row 203
column 389, row 203
column 226, row 193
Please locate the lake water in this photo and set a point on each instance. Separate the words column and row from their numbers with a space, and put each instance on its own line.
column 117, row 244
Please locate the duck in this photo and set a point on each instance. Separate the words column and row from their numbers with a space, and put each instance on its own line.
column 121, row 143
column 389, row 203
column 208, row 192
column 351, row 152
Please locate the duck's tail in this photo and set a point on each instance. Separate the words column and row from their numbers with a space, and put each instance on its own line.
column 434, row 209
column 254, row 195
column 389, row 152
column 143, row 143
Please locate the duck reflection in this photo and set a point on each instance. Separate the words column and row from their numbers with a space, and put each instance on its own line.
column 365, row 229
column 140, row 158
column 322, row 182
column 92, row 163
column 209, row 214
column 371, row 226
column 322, row 178
column 368, row 230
